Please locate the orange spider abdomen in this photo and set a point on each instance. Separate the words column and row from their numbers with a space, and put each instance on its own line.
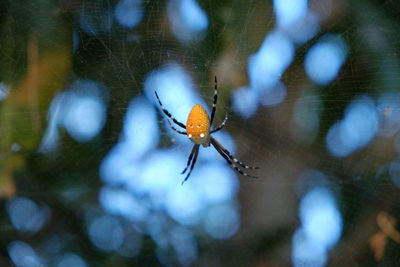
column 198, row 125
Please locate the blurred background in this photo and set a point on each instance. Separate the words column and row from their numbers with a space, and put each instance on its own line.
column 90, row 170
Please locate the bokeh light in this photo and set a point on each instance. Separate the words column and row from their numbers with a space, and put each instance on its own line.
column 306, row 253
column 304, row 28
column 185, row 205
column 23, row 255
column 188, row 21
column 159, row 171
column 85, row 118
column 324, row 60
column 106, row 233
column 84, row 109
column 274, row 96
column 140, row 131
column 185, row 245
column 81, row 110
column 245, row 102
column 321, row 228
column 320, row 217
column 222, row 221
column 51, row 136
column 4, row 91
column 26, row 215
column 129, row 13
column 216, row 182
column 289, row 11
column 267, row 65
column 356, row 130
column 122, row 203
column 118, row 165
column 69, row 260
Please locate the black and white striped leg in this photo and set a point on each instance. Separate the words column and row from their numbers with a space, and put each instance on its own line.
column 231, row 157
column 173, row 128
column 196, row 153
column 221, row 126
column 229, row 161
column 190, row 158
column 169, row 114
column 214, row 105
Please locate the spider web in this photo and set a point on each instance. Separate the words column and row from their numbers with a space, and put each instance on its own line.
column 91, row 170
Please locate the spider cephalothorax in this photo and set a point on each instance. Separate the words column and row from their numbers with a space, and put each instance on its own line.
column 198, row 131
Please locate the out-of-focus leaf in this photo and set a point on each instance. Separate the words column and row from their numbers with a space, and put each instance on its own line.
column 23, row 113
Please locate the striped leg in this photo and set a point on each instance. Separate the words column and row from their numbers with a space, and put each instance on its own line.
column 214, row 105
column 196, row 153
column 190, row 158
column 173, row 128
column 233, row 166
column 169, row 114
column 231, row 157
column 222, row 125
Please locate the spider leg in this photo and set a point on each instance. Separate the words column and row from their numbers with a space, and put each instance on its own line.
column 169, row 114
column 214, row 105
column 221, row 126
column 190, row 158
column 196, row 153
column 231, row 157
column 173, row 128
column 229, row 161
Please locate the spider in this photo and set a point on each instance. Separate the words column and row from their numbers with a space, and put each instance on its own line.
column 198, row 130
